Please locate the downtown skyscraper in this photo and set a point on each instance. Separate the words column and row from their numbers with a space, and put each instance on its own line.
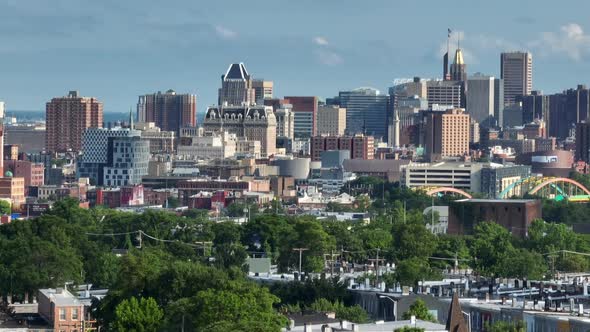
column 366, row 112
column 516, row 70
column 169, row 111
column 237, row 87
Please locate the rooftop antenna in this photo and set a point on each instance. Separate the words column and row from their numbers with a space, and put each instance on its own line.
column 448, row 39
column 459, row 40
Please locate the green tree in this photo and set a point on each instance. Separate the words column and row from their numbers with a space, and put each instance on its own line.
column 502, row 326
column 408, row 272
column 138, row 316
column 4, row 207
column 173, row 202
column 522, row 263
column 490, row 248
column 420, row 311
column 412, row 238
column 306, row 234
column 409, row 329
column 241, row 303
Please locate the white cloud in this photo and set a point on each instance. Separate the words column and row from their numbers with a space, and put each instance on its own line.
column 321, row 41
column 224, row 32
column 329, row 58
column 570, row 40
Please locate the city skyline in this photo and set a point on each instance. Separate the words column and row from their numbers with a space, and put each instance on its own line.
column 105, row 50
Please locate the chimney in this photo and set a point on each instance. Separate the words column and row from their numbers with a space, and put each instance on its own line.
column 343, row 324
column 585, row 285
column 572, row 305
column 413, row 320
column 580, row 309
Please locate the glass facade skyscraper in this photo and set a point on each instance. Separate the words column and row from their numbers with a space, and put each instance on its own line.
column 366, row 112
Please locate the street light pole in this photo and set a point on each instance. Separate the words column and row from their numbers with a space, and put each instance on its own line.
column 301, row 250
column 394, row 304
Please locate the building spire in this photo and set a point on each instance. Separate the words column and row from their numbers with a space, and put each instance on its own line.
column 131, row 118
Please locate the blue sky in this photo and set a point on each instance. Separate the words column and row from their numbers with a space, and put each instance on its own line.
column 118, row 49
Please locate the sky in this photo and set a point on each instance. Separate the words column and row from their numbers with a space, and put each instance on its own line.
column 117, row 50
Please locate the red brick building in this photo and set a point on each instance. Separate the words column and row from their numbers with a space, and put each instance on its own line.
column 33, row 173
column 360, row 146
column 62, row 310
column 67, row 118
column 516, row 215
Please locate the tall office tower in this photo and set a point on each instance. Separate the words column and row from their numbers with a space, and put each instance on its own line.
column 499, row 101
column 285, row 121
column 481, row 98
column 114, row 156
column 236, row 87
column 331, row 120
column 366, row 112
column 566, row 109
column 255, row 123
column 403, row 88
column 2, row 109
column 535, row 106
column 446, row 134
column 66, row 119
column 262, row 90
column 458, row 67
column 446, row 74
column 305, row 110
column 516, row 70
column 447, row 93
column 169, row 111
column 583, row 141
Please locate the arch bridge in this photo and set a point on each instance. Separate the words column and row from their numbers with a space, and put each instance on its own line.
column 555, row 188
column 446, row 191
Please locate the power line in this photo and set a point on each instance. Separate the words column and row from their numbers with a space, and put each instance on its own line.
column 201, row 245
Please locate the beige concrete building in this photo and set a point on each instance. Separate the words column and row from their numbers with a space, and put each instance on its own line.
column 248, row 148
column 285, row 121
column 13, row 188
column 262, row 90
column 211, row 145
column 256, row 123
column 160, row 141
column 331, row 120
column 447, row 134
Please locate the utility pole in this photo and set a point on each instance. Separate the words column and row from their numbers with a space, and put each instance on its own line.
column 377, row 260
column 331, row 260
column 301, row 250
